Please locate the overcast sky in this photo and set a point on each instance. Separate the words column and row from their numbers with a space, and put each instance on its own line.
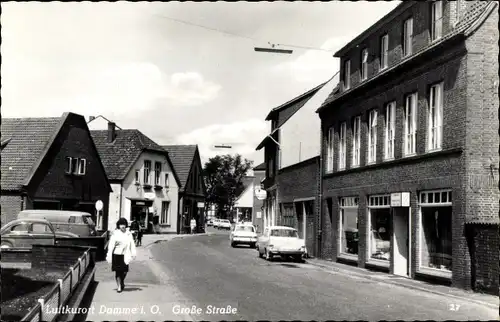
column 175, row 82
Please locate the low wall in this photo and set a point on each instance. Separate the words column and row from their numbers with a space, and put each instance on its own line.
column 98, row 244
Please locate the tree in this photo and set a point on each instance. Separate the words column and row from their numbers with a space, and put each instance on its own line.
column 223, row 175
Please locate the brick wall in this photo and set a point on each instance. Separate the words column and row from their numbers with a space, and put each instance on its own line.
column 484, row 249
column 10, row 206
column 301, row 181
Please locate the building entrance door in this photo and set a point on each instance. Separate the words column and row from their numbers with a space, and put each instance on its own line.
column 401, row 241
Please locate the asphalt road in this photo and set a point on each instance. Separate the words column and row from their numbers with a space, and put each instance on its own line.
column 209, row 272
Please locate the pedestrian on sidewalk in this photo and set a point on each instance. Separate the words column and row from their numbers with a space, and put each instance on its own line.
column 193, row 226
column 121, row 250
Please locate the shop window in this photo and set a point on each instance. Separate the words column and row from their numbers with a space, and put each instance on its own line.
column 380, row 226
column 349, row 237
column 436, row 235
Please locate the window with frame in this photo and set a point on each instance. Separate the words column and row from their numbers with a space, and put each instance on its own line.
column 408, row 37
column 349, row 236
column 384, row 51
column 137, row 177
column 165, row 212
column 364, row 64
column 147, row 171
column 436, row 234
column 347, row 74
column 342, row 146
column 372, row 136
column 330, row 149
column 436, row 20
column 379, row 207
column 76, row 166
column 356, row 141
column 82, row 166
column 157, row 173
column 410, row 126
column 390, row 125
column 435, row 122
column 167, row 180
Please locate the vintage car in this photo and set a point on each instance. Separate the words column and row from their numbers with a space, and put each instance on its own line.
column 24, row 233
column 224, row 224
column 281, row 241
column 243, row 234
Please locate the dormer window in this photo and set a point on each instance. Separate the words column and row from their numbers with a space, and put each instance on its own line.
column 384, row 51
column 76, row 166
column 436, row 20
column 347, row 74
column 364, row 64
column 408, row 37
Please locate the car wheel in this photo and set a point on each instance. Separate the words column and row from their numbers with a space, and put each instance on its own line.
column 298, row 258
column 233, row 245
column 5, row 245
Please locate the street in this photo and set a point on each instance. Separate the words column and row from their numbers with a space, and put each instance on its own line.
column 207, row 271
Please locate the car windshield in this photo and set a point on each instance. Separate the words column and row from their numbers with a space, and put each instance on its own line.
column 284, row 233
column 245, row 228
column 225, row 220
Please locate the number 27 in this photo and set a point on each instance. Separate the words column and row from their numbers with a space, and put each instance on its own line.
column 454, row 307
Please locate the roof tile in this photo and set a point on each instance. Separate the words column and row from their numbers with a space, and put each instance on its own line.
column 182, row 158
column 25, row 139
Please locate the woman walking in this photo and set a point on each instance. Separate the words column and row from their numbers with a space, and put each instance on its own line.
column 121, row 250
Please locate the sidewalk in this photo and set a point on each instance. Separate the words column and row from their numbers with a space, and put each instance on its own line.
column 478, row 298
column 149, row 295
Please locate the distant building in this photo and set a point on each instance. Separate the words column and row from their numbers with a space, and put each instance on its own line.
column 243, row 204
column 258, row 205
column 145, row 184
column 51, row 163
column 187, row 163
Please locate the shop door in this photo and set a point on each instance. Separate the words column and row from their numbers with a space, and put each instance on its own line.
column 401, row 241
column 299, row 210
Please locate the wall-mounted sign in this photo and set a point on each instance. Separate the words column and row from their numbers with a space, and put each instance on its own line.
column 201, row 205
column 149, row 195
column 400, row 199
column 98, row 205
column 259, row 214
column 260, row 194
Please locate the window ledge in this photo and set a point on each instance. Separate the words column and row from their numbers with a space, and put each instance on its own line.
column 378, row 262
column 435, row 273
column 165, row 225
column 398, row 161
column 348, row 257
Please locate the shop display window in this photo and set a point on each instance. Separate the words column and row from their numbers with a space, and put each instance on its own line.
column 349, row 225
column 436, row 238
column 380, row 233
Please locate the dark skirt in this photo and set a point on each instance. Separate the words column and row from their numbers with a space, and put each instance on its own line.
column 118, row 264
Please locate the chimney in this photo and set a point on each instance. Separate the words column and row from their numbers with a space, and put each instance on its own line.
column 111, row 132
column 91, row 118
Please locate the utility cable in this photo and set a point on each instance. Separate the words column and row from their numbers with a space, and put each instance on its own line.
column 238, row 35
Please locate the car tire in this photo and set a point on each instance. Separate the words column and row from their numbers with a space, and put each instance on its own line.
column 298, row 258
column 233, row 245
column 5, row 244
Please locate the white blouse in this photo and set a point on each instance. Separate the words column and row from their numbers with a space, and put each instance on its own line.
column 121, row 241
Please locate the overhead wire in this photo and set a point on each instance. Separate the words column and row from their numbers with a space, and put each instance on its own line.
column 238, row 35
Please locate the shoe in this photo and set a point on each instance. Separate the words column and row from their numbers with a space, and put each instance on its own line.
column 119, row 290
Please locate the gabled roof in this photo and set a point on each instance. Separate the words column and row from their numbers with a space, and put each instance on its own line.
column 470, row 21
column 120, row 155
column 302, row 98
column 260, row 167
column 247, row 183
column 25, row 143
column 182, row 157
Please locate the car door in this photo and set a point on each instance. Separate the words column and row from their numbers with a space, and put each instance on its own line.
column 41, row 234
column 18, row 235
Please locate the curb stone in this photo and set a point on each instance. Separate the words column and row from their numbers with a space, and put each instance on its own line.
column 388, row 281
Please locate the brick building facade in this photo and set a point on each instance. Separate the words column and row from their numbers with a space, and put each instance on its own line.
column 410, row 143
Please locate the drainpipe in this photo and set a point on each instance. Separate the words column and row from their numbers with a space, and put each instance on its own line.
column 320, row 197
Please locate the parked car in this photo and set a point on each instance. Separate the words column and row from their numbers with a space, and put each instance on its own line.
column 27, row 232
column 210, row 222
column 243, row 234
column 224, row 224
column 76, row 222
column 281, row 241
column 216, row 223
